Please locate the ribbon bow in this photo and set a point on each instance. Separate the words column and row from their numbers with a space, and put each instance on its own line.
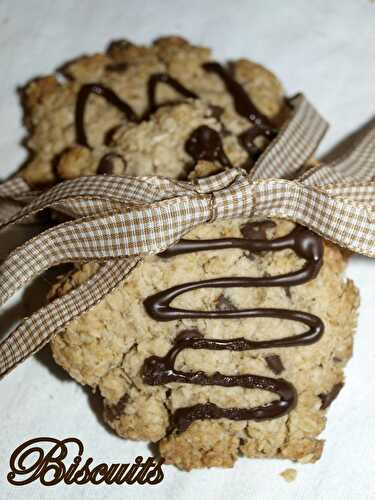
column 117, row 220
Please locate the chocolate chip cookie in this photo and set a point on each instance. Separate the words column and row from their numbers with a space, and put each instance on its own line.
column 142, row 103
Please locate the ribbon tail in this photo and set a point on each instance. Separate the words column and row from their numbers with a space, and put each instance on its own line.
column 15, row 188
column 110, row 237
column 356, row 162
column 14, row 193
column 37, row 330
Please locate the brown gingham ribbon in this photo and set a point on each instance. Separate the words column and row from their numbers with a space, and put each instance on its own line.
column 118, row 220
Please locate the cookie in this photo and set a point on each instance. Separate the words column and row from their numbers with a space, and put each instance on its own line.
column 232, row 342
column 105, row 104
column 124, row 348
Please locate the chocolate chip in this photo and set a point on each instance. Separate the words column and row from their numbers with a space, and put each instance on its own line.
column 275, row 364
column 114, row 412
column 107, row 165
column 287, row 291
column 257, row 230
column 187, row 334
column 330, row 396
column 205, row 143
column 117, row 67
column 336, row 359
column 223, row 303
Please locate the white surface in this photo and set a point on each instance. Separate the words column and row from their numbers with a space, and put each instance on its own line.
column 327, row 49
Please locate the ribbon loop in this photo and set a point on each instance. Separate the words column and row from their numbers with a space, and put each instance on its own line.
column 296, row 142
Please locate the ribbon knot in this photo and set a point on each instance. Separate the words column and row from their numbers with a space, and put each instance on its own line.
column 119, row 220
column 230, row 194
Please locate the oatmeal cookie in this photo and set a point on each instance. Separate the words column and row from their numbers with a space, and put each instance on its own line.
column 118, row 345
column 108, row 95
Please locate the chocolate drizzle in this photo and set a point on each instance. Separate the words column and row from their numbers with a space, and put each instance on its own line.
column 160, row 370
column 95, row 88
column 303, row 242
column 171, row 82
column 112, row 98
column 257, row 230
column 157, row 371
column 210, row 145
column 242, row 103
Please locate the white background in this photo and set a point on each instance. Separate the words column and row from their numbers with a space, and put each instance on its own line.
column 325, row 48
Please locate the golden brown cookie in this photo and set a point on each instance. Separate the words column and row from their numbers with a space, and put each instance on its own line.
column 110, row 348
column 131, row 73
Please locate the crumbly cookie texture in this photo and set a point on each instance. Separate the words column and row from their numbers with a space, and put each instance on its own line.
column 106, row 348
column 126, row 68
column 289, row 475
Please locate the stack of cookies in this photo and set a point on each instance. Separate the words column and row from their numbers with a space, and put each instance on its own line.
column 234, row 340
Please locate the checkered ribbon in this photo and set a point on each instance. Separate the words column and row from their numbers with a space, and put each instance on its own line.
column 118, row 220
